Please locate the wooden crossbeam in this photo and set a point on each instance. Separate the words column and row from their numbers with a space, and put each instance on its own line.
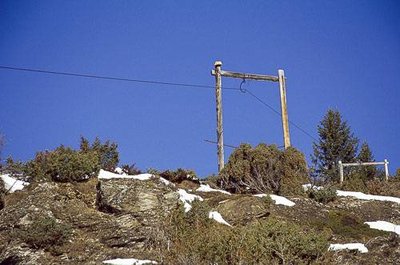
column 219, row 73
column 247, row 76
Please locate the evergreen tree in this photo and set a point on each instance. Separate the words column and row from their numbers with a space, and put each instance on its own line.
column 336, row 142
column 108, row 152
column 365, row 155
column 84, row 144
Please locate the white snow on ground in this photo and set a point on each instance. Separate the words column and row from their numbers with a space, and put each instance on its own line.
column 278, row 199
column 109, row 175
column 384, row 226
column 129, row 262
column 356, row 194
column 13, row 184
column 119, row 170
column 166, row 182
column 363, row 196
column 358, row 246
column 188, row 198
column 217, row 217
column 308, row 186
column 281, row 200
column 103, row 174
column 207, row 188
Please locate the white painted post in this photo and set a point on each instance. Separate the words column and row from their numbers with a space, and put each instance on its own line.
column 341, row 171
column 386, row 169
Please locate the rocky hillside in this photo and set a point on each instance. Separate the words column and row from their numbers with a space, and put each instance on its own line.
column 115, row 217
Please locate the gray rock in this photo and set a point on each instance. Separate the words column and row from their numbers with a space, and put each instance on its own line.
column 108, row 219
column 146, row 201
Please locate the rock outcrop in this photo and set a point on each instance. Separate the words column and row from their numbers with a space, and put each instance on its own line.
column 107, row 219
column 103, row 219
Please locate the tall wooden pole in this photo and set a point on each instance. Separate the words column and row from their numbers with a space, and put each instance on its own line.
column 218, row 73
column 285, row 119
column 220, row 132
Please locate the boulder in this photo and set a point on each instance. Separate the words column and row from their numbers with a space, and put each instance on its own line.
column 105, row 219
column 146, row 201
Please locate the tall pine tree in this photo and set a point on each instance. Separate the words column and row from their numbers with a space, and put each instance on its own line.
column 336, row 142
column 365, row 155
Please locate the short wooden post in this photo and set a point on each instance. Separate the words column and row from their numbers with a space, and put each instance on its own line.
column 386, row 169
column 220, row 132
column 341, row 171
column 285, row 119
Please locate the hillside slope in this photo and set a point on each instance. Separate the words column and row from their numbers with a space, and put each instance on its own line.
column 110, row 218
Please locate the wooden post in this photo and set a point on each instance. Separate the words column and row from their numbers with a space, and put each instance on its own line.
column 341, row 171
column 220, row 132
column 285, row 119
column 359, row 164
column 218, row 73
column 386, row 170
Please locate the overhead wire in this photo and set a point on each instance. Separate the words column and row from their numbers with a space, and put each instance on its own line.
column 243, row 90
column 109, row 77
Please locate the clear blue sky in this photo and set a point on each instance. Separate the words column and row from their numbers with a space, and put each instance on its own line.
column 336, row 54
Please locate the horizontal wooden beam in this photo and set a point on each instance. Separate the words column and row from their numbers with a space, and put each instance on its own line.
column 364, row 164
column 247, row 76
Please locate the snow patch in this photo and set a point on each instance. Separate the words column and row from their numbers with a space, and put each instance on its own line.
column 384, row 226
column 129, row 262
column 363, row 196
column 188, row 198
column 356, row 194
column 352, row 246
column 218, row 217
column 13, row 184
column 282, row 200
column 308, row 186
column 278, row 199
column 119, row 170
column 166, row 182
column 109, row 175
column 207, row 188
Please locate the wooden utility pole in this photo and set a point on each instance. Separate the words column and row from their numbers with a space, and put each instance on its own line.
column 284, row 114
column 220, row 132
column 218, row 73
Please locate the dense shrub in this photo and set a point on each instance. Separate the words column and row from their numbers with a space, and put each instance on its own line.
column 44, row 233
column 355, row 182
column 264, row 168
column 107, row 152
column 131, row 169
column 14, row 168
column 195, row 239
column 387, row 188
column 179, row 175
column 323, row 195
column 212, row 180
column 63, row 164
column 67, row 165
column 346, row 224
